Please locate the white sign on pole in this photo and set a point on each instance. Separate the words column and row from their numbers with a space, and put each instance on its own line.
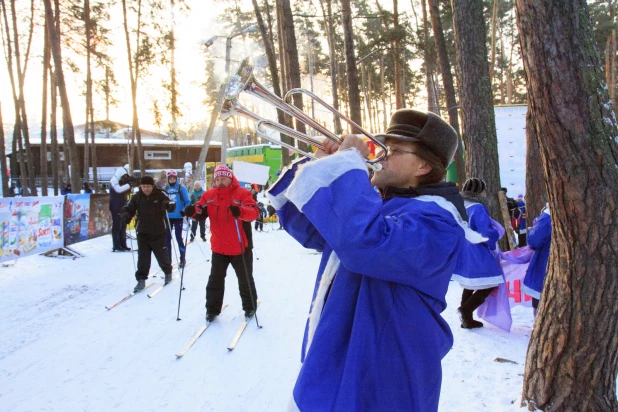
column 251, row 172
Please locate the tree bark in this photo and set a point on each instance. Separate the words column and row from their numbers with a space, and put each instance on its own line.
column 329, row 27
column 350, row 61
column 43, row 150
column 536, row 193
column 432, row 100
column 571, row 362
column 3, row 165
column 449, row 88
column 21, row 75
column 134, row 75
column 67, row 122
column 399, row 98
column 53, row 134
column 494, row 25
column 479, row 125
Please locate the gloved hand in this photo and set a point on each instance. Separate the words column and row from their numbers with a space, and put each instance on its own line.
column 125, row 218
column 189, row 211
column 235, row 211
column 169, row 206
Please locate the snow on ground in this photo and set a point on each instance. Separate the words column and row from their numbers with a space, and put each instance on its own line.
column 61, row 350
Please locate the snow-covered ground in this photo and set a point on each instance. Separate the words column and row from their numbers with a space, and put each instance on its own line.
column 61, row 350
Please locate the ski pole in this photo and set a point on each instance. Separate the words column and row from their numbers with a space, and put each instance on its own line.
column 242, row 256
column 182, row 278
column 132, row 254
column 169, row 225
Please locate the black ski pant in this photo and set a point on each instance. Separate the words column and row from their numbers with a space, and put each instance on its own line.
column 157, row 245
column 119, row 232
column 216, row 282
column 259, row 224
column 202, row 224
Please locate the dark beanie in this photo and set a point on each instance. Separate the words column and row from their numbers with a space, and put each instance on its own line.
column 474, row 185
column 146, row 180
column 426, row 128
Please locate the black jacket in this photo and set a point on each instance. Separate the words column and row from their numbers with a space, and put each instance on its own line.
column 150, row 211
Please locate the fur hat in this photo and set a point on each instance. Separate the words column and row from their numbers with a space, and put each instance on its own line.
column 426, row 128
column 474, row 185
column 146, row 180
column 223, row 170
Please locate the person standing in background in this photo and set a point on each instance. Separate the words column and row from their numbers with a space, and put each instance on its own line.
column 196, row 194
column 179, row 194
column 119, row 190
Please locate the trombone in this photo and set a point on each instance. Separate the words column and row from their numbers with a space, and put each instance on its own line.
column 242, row 80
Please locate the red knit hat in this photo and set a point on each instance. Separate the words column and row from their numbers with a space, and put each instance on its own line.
column 223, row 170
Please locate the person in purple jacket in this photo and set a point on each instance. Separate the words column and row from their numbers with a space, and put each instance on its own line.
column 478, row 270
column 539, row 240
column 375, row 339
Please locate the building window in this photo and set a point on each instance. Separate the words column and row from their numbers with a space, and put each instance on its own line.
column 157, row 154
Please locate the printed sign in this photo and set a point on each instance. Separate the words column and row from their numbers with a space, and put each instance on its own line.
column 100, row 222
column 30, row 225
column 76, row 218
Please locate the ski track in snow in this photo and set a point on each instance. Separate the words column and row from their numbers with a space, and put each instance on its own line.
column 61, row 350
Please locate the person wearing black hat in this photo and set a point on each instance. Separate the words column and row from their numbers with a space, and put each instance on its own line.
column 150, row 204
column 478, row 271
column 375, row 338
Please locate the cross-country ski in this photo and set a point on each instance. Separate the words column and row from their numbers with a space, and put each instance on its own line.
column 196, row 337
column 241, row 329
column 129, row 296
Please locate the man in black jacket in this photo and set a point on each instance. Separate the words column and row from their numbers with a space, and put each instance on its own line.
column 150, row 205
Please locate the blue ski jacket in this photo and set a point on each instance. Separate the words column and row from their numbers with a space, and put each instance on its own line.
column 179, row 194
column 375, row 339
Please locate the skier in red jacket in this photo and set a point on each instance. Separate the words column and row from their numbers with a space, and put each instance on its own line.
column 226, row 205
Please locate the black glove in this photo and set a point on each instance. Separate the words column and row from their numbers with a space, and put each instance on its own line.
column 189, row 211
column 125, row 218
column 169, row 206
column 235, row 211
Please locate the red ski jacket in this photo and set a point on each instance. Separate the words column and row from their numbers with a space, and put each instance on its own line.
column 216, row 201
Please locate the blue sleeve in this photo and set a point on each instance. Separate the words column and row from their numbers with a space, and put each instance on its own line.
column 540, row 233
column 410, row 245
column 481, row 222
column 186, row 201
column 293, row 221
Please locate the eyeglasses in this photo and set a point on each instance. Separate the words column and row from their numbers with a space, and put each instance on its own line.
column 390, row 151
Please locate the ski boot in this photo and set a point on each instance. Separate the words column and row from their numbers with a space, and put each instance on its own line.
column 168, row 278
column 210, row 317
column 467, row 322
column 249, row 314
column 141, row 284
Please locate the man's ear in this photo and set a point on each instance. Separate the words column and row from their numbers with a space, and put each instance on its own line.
column 423, row 169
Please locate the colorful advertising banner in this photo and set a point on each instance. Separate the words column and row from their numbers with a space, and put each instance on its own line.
column 100, row 222
column 76, row 218
column 30, row 225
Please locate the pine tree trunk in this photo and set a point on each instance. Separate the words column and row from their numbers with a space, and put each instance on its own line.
column 53, row 134
column 327, row 12
column 67, row 122
column 43, row 150
column 494, row 26
column 479, row 126
column 134, row 75
column 350, row 60
column 432, row 101
column 3, row 165
column 449, row 88
column 21, row 74
column 571, row 363
column 536, row 194
column 399, row 99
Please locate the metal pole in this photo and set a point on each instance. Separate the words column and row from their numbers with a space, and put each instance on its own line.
column 182, row 274
column 225, row 130
column 242, row 256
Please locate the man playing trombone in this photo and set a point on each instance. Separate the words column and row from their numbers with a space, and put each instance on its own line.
column 375, row 338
